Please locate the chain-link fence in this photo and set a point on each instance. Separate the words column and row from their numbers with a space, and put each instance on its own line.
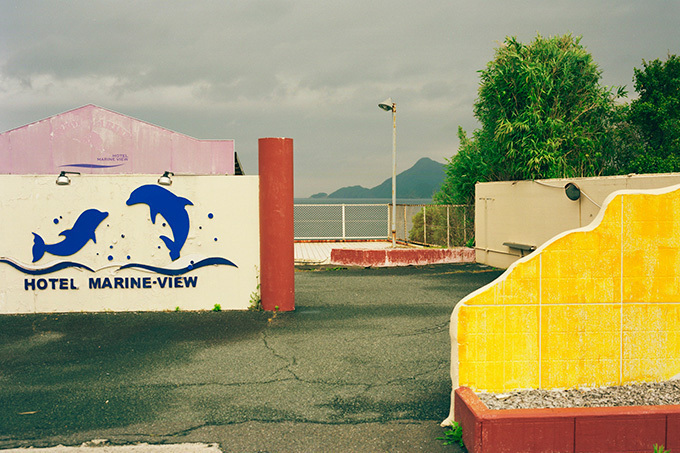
column 445, row 226
column 341, row 221
column 442, row 225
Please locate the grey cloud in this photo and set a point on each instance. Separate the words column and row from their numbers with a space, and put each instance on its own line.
column 310, row 70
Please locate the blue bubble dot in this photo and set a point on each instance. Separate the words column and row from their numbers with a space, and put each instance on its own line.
column 128, row 257
column 110, row 258
column 210, row 216
column 215, row 239
column 56, row 221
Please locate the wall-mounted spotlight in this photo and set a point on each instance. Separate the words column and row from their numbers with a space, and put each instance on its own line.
column 572, row 191
column 165, row 179
column 63, row 180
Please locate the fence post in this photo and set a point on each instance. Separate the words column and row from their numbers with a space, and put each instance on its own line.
column 389, row 223
column 465, row 213
column 277, row 249
column 448, row 227
column 344, row 235
column 425, row 224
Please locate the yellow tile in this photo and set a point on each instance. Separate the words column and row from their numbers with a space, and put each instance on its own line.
column 521, row 375
column 521, row 319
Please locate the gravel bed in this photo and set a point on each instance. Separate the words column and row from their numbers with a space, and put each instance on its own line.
column 651, row 394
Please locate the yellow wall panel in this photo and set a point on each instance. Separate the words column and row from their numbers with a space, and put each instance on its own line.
column 595, row 306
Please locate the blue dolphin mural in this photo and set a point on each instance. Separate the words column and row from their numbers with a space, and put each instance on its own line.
column 161, row 201
column 74, row 239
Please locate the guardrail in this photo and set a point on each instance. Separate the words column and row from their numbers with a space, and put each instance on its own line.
column 440, row 225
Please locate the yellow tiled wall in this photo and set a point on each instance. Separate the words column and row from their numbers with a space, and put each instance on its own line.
column 594, row 306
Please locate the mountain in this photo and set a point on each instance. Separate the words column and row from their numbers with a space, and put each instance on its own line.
column 420, row 181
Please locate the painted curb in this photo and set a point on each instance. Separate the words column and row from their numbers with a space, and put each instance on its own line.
column 601, row 429
column 401, row 257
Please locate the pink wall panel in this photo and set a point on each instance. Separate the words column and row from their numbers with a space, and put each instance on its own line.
column 222, row 156
column 26, row 149
column 5, row 152
column 91, row 139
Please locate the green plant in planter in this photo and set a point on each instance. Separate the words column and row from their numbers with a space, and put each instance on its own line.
column 217, row 307
column 453, row 435
column 660, row 449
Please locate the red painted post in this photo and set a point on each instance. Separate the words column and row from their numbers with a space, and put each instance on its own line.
column 277, row 250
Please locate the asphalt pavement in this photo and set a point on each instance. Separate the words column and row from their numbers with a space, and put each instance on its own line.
column 361, row 365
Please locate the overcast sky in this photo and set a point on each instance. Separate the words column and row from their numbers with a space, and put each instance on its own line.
column 306, row 69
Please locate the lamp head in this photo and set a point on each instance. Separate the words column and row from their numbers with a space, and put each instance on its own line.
column 572, row 191
column 165, row 179
column 387, row 105
column 63, row 180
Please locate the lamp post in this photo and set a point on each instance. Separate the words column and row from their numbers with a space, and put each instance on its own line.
column 389, row 106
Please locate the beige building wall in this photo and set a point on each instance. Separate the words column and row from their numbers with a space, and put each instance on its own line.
column 528, row 213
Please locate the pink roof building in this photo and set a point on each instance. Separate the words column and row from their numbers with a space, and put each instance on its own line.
column 92, row 139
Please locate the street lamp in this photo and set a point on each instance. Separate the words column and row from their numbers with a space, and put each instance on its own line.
column 389, row 106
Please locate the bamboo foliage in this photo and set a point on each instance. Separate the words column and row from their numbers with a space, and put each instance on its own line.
column 543, row 114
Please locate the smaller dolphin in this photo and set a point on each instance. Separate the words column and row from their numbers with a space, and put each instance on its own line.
column 74, row 239
column 161, row 201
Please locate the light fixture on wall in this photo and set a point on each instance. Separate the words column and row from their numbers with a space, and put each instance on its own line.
column 165, row 179
column 572, row 191
column 63, row 180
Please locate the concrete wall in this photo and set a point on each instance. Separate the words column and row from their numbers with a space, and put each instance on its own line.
column 91, row 139
column 596, row 306
column 202, row 250
column 532, row 212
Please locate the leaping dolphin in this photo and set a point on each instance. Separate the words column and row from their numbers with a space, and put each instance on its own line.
column 74, row 239
column 161, row 201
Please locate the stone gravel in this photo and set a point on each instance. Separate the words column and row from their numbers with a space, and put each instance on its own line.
column 649, row 394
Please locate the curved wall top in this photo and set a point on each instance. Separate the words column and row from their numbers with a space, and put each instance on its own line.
column 92, row 139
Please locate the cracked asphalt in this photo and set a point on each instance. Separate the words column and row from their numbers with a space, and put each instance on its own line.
column 361, row 365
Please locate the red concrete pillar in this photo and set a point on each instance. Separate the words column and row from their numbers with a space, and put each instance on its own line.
column 277, row 251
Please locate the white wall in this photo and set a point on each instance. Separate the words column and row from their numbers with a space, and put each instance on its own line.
column 532, row 212
column 223, row 224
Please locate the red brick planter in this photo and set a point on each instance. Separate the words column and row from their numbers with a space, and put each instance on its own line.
column 583, row 429
column 401, row 257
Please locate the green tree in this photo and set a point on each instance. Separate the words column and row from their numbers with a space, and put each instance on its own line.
column 656, row 114
column 543, row 114
column 463, row 171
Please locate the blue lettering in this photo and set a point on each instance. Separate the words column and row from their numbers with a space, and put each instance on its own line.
column 146, row 282
column 42, row 284
column 29, row 284
column 135, row 282
column 95, row 283
column 73, row 286
column 190, row 282
column 178, row 282
column 162, row 281
column 63, row 283
column 106, row 283
column 54, row 282
column 118, row 283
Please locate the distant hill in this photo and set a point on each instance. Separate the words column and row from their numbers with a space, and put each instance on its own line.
column 420, row 181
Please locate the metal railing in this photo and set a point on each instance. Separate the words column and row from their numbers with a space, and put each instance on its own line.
column 440, row 225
